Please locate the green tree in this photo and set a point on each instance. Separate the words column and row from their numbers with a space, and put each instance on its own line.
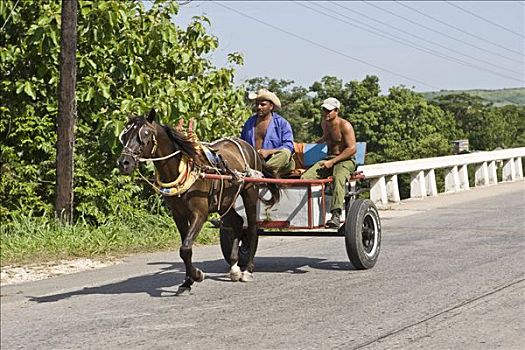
column 129, row 60
column 485, row 126
column 362, row 95
column 515, row 118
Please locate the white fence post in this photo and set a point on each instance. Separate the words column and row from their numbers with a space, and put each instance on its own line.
column 430, row 180
column 392, row 189
column 463, row 177
column 509, row 171
column 418, row 188
column 519, row 168
column 452, row 179
column 481, row 177
column 378, row 190
column 493, row 174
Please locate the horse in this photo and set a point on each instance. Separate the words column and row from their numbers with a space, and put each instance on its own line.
column 180, row 162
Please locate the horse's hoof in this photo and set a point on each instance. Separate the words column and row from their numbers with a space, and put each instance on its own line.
column 183, row 291
column 200, row 276
column 235, row 273
column 247, row 276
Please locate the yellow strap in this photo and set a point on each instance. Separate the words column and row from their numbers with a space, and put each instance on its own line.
column 182, row 183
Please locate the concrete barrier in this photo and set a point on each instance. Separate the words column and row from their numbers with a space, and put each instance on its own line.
column 384, row 183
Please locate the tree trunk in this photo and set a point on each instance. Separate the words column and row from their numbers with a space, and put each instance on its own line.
column 66, row 112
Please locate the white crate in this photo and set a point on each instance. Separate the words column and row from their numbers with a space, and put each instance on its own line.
column 292, row 209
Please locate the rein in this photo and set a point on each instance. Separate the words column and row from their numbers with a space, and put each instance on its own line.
column 141, row 160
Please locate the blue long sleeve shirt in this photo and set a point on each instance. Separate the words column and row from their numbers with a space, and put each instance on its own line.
column 278, row 135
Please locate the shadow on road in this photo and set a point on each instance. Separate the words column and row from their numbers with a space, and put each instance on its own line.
column 171, row 274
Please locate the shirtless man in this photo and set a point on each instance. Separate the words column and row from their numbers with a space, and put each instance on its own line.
column 269, row 133
column 339, row 136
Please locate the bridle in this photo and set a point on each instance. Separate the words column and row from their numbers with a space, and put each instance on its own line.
column 183, row 181
column 136, row 154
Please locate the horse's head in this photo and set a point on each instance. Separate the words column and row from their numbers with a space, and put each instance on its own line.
column 139, row 141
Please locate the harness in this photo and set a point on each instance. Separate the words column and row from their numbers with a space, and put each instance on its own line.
column 189, row 172
column 220, row 167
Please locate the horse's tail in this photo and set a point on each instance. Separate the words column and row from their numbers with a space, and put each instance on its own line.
column 275, row 190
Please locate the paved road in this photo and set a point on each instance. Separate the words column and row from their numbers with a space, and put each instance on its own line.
column 451, row 275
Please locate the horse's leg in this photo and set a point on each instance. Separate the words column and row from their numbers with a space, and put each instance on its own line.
column 249, row 198
column 193, row 274
column 234, row 221
column 183, row 226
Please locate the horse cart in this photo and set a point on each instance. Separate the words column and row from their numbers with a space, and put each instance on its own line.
column 304, row 208
column 194, row 187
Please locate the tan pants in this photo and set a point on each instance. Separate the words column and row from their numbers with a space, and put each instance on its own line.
column 340, row 172
column 282, row 161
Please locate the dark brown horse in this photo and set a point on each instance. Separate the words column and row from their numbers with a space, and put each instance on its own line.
column 179, row 163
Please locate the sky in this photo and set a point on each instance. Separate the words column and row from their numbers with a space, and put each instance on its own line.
column 423, row 45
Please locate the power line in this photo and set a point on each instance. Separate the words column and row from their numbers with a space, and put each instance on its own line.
column 451, row 26
column 446, row 35
column 407, row 42
column 484, row 19
column 323, row 46
column 426, row 40
column 377, row 32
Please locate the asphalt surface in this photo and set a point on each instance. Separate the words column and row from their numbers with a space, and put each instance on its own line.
column 451, row 275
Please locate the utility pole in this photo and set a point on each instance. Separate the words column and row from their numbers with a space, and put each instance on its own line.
column 66, row 112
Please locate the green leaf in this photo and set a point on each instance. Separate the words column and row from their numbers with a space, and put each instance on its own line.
column 90, row 93
column 104, row 88
column 28, row 89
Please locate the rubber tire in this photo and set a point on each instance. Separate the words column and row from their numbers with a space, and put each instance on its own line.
column 363, row 219
column 226, row 240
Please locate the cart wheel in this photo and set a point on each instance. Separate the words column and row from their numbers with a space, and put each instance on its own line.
column 226, row 247
column 363, row 234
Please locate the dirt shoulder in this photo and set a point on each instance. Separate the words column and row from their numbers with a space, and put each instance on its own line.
column 35, row 272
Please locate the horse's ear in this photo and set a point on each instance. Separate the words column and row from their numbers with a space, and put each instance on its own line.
column 151, row 115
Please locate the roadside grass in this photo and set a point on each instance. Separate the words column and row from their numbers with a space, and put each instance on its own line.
column 38, row 239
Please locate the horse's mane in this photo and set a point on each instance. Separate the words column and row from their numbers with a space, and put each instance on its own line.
column 186, row 145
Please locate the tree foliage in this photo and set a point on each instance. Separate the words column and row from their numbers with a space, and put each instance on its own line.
column 487, row 127
column 129, row 60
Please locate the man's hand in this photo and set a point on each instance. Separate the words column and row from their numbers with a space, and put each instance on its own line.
column 265, row 153
column 327, row 164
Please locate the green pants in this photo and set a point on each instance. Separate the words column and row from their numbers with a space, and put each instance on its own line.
column 282, row 161
column 340, row 172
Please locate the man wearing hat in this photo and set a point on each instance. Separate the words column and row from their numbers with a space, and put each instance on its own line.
column 339, row 136
column 269, row 133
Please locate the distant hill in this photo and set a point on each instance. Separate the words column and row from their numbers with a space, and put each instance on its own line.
column 502, row 97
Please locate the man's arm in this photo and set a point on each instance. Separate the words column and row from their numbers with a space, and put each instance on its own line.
column 287, row 136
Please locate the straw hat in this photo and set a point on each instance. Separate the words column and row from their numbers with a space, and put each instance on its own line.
column 265, row 95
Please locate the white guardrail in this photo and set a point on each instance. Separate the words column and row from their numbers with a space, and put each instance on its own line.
column 383, row 177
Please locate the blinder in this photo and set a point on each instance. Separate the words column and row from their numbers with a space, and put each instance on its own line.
column 144, row 136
